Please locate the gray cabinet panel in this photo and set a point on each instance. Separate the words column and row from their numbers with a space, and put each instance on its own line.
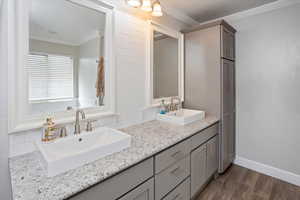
column 198, row 169
column 169, row 178
column 210, row 81
column 227, row 148
column 203, row 136
column 228, row 87
column 212, row 157
column 228, row 140
column 143, row 192
column 228, row 44
column 171, row 155
column 202, row 70
column 118, row 185
column 182, row 192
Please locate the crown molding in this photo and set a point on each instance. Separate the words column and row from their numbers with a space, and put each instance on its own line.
column 177, row 14
column 50, row 40
column 256, row 11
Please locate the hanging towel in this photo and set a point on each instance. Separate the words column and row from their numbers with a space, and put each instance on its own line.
column 100, row 78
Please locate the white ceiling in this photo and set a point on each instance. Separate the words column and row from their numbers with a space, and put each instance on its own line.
column 63, row 22
column 204, row 10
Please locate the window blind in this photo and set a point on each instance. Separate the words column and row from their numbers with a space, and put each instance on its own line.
column 50, row 77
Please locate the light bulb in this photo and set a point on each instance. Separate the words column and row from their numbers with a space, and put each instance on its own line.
column 134, row 3
column 157, row 11
column 146, row 6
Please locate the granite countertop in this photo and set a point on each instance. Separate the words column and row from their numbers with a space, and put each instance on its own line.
column 28, row 175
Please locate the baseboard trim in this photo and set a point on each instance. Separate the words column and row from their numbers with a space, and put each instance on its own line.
column 268, row 170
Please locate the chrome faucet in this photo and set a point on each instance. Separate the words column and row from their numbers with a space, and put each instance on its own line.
column 173, row 106
column 77, row 122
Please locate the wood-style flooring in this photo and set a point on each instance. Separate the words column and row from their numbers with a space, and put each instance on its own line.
column 239, row 183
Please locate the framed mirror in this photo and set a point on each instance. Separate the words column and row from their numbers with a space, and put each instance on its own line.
column 165, row 64
column 65, row 62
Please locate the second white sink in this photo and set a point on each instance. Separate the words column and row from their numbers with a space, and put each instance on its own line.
column 71, row 152
column 182, row 116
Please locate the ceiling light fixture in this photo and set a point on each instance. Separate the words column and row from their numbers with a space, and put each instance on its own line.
column 147, row 5
column 134, row 3
column 157, row 11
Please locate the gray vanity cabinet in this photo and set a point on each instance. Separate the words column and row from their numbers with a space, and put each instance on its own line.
column 182, row 192
column 176, row 173
column 172, row 167
column 143, row 192
column 118, row 185
column 168, row 179
column 212, row 156
column 210, row 80
column 227, row 124
column 198, row 169
column 204, row 163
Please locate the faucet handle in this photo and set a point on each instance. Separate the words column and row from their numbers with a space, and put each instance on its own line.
column 89, row 125
column 63, row 132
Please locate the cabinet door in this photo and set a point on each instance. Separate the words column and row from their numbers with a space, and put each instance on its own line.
column 228, row 44
column 182, row 192
column 212, row 157
column 143, row 192
column 227, row 133
column 228, row 140
column 198, row 169
column 228, row 87
column 118, row 185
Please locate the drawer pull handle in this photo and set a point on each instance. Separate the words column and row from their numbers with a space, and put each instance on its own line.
column 177, row 197
column 176, row 171
column 176, row 155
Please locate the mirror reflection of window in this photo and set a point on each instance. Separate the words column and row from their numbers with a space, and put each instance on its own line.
column 165, row 65
column 50, row 77
column 66, row 56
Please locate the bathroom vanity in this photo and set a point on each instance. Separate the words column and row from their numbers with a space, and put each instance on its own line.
column 178, row 172
column 165, row 161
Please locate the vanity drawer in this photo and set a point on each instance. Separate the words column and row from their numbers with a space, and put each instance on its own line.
column 203, row 136
column 169, row 178
column 171, row 155
column 182, row 192
column 120, row 184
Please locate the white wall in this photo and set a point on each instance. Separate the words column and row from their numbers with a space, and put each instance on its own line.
column 268, row 83
column 131, row 35
column 5, row 189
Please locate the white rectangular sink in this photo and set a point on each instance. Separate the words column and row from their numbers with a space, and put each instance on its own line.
column 71, row 152
column 182, row 116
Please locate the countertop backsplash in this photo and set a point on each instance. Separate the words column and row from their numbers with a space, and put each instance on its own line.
column 24, row 142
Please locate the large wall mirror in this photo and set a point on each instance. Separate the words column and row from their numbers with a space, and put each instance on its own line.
column 165, row 64
column 68, row 60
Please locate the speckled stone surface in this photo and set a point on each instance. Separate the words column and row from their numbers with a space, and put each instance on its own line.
column 28, row 175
